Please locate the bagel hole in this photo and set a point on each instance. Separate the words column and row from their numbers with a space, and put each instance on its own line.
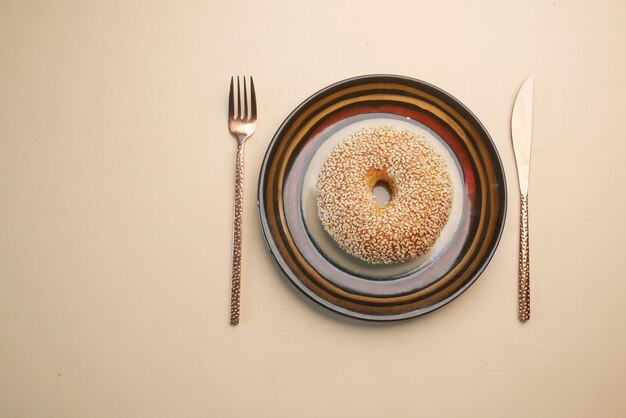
column 382, row 192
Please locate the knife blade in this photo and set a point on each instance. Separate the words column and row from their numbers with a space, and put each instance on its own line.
column 521, row 134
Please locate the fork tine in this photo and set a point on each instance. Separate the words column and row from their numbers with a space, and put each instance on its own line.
column 231, row 101
column 252, row 100
column 238, row 99
column 246, row 111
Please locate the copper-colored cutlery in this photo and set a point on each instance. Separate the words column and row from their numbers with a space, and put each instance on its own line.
column 241, row 124
column 521, row 133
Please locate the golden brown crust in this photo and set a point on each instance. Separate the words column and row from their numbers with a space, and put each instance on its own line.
column 421, row 195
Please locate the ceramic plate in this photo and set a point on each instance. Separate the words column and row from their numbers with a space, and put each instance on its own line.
column 312, row 260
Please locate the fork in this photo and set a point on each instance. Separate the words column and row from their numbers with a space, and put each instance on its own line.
column 241, row 124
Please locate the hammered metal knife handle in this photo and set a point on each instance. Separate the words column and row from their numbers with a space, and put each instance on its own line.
column 524, row 263
column 238, row 209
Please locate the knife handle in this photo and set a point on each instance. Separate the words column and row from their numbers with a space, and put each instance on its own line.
column 524, row 263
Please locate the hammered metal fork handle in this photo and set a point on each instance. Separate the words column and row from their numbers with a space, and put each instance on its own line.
column 238, row 211
column 524, row 263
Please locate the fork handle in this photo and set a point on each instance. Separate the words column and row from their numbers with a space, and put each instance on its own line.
column 238, row 211
column 524, row 263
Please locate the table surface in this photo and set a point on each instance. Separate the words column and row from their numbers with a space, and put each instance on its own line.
column 116, row 193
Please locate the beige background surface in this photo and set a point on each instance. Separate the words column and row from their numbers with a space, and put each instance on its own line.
column 116, row 173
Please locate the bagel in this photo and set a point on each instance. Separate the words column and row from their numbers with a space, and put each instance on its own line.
column 420, row 189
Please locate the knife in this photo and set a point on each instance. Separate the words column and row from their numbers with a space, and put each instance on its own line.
column 521, row 133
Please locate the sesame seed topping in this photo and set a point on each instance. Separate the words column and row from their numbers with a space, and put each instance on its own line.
column 420, row 187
